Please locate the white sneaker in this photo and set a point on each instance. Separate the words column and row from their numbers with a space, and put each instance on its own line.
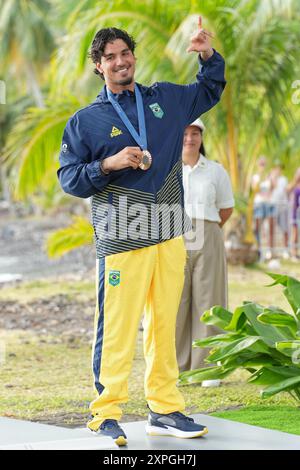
column 211, row 383
column 268, row 255
column 274, row 264
column 285, row 255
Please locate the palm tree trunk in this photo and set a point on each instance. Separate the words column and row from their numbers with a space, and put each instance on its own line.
column 244, row 251
column 33, row 86
column 6, row 195
column 232, row 144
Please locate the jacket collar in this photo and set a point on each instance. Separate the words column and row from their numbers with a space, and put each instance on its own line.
column 102, row 97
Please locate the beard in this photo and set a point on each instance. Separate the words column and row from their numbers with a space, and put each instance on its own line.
column 124, row 81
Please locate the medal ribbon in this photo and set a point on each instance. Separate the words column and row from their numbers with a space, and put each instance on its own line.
column 140, row 138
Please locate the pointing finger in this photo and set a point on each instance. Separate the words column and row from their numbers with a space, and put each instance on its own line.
column 200, row 22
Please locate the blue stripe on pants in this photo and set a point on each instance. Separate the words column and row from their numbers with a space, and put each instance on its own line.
column 100, row 327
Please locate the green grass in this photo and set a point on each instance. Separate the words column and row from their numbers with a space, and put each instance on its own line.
column 49, row 379
column 251, row 284
column 33, row 290
column 41, row 377
column 281, row 418
column 244, row 284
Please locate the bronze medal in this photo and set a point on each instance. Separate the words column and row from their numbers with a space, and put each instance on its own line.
column 146, row 160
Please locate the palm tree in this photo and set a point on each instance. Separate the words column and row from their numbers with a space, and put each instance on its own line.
column 9, row 113
column 257, row 40
column 31, row 154
column 25, row 48
column 26, row 41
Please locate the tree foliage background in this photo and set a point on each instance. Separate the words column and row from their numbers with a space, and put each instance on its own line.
column 44, row 63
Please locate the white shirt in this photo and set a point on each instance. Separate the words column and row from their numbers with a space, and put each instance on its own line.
column 207, row 189
column 279, row 193
column 264, row 191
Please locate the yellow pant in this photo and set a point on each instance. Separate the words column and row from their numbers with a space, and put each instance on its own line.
column 128, row 282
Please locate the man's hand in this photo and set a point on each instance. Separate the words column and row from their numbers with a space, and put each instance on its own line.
column 201, row 42
column 128, row 157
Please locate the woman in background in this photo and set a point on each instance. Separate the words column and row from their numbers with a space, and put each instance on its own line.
column 209, row 203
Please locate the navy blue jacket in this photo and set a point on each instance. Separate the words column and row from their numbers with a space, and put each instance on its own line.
column 96, row 132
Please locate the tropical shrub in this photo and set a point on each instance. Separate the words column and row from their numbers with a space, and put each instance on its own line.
column 265, row 341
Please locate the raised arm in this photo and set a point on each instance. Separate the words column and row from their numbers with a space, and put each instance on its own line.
column 200, row 96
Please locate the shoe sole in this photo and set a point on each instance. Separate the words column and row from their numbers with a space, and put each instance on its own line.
column 121, row 441
column 157, row 431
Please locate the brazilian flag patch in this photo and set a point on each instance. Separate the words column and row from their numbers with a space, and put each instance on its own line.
column 156, row 110
column 114, row 278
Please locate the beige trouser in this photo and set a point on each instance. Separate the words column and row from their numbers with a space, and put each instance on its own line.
column 205, row 286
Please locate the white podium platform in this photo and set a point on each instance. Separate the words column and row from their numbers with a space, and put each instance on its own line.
column 223, row 435
column 25, row 435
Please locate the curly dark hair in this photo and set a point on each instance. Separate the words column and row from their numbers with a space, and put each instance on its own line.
column 103, row 36
column 202, row 148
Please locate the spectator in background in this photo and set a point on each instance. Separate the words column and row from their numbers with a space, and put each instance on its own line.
column 279, row 198
column 263, row 208
column 208, row 200
column 294, row 192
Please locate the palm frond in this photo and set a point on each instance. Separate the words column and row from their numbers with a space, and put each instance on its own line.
column 79, row 233
column 151, row 22
column 31, row 152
